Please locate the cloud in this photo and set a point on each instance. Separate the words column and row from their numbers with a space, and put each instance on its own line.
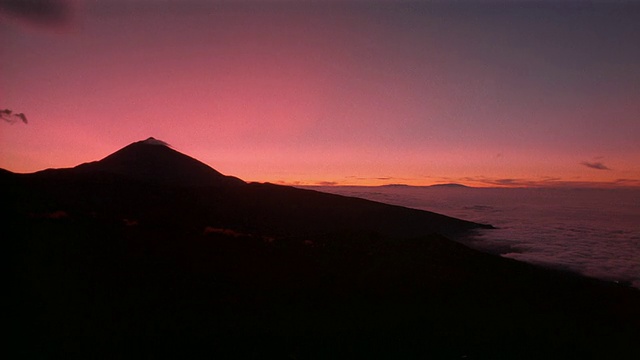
column 39, row 12
column 327, row 183
column 508, row 182
column 628, row 182
column 11, row 117
column 595, row 165
column 373, row 178
column 546, row 182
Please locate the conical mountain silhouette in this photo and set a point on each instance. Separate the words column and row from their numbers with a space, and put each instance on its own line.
column 118, row 183
column 153, row 160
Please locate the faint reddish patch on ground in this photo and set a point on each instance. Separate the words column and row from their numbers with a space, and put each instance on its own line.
column 129, row 222
column 58, row 214
column 214, row 230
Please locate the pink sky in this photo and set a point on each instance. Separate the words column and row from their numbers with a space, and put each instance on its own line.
column 360, row 93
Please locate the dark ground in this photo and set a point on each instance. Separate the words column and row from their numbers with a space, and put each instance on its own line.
column 106, row 266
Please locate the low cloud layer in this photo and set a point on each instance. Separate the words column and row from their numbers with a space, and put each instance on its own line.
column 595, row 165
column 11, row 117
column 542, row 226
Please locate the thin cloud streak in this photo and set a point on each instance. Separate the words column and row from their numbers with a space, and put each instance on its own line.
column 548, row 182
column 595, row 165
column 327, row 183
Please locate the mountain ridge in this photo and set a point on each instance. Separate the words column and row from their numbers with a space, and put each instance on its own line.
column 252, row 206
column 155, row 161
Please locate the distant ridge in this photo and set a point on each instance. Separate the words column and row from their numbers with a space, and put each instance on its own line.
column 153, row 160
column 450, row 185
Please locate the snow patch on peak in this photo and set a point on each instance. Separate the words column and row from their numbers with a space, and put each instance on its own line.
column 154, row 141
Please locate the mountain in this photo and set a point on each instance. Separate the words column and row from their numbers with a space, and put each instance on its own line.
column 150, row 172
column 154, row 161
column 150, row 253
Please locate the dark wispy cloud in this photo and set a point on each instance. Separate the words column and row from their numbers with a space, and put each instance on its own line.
column 327, row 183
column 368, row 178
column 628, row 182
column 11, row 117
column 40, row 12
column 595, row 165
column 547, row 182
column 507, row 182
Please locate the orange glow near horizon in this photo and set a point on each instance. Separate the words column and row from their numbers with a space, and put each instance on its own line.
column 345, row 94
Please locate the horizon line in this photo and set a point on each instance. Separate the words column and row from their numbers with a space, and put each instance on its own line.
column 528, row 185
column 469, row 182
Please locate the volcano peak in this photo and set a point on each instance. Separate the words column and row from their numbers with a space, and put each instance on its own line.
column 159, row 163
column 154, row 141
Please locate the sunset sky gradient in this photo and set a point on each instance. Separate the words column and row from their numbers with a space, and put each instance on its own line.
column 507, row 93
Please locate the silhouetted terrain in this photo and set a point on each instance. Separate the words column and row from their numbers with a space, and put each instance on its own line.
column 150, row 253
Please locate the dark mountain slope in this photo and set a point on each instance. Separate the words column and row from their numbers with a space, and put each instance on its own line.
column 99, row 289
column 315, row 212
column 151, row 182
column 152, row 161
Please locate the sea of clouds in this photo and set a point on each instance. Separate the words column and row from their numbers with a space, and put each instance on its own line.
column 595, row 232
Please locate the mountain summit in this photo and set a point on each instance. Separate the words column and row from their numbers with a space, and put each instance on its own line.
column 153, row 160
column 154, row 141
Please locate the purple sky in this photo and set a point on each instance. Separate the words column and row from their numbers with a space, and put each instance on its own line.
column 501, row 93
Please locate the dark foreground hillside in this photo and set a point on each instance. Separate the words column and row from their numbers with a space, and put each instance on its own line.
column 104, row 265
column 90, row 288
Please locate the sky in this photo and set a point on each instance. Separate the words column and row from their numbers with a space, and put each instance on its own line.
column 503, row 93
